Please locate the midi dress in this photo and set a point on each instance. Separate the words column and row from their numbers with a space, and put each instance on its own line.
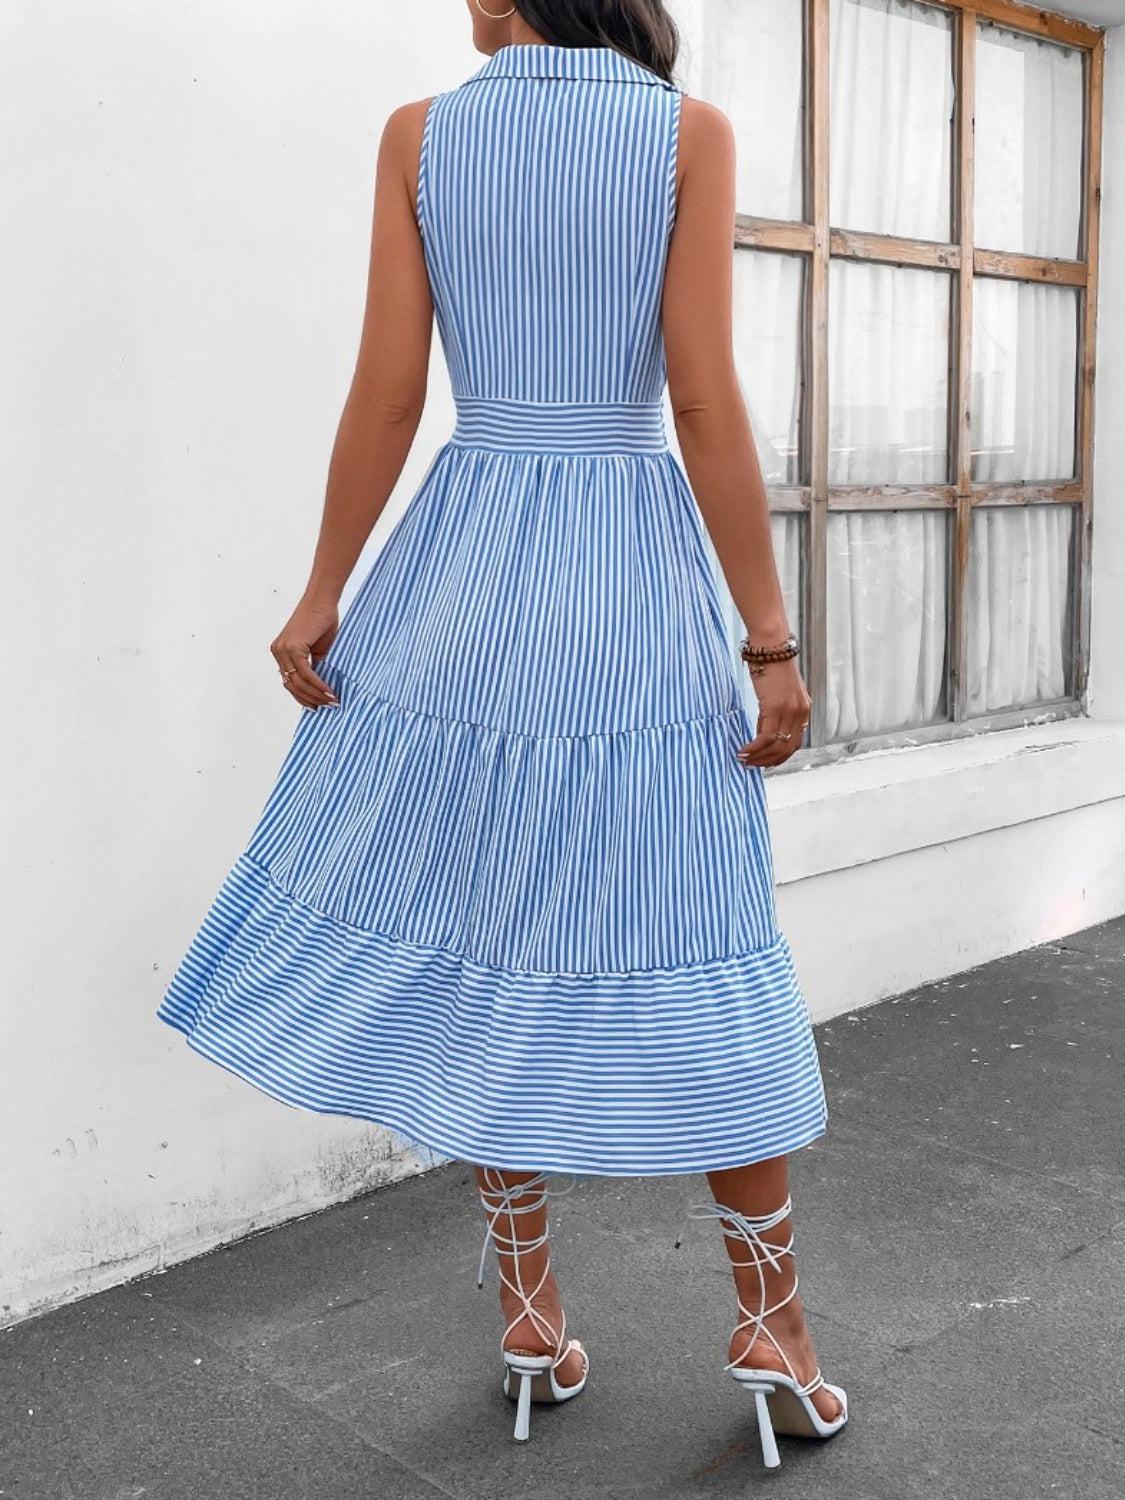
column 514, row 898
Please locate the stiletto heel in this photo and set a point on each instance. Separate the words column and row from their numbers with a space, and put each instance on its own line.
column 523, row 1406
column 528, row 1376
column 782, row 1403
column 770, row 1455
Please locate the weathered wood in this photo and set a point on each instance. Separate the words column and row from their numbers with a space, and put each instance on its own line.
column 1017, row 267
column 789, row 499
column 892, row 250
column 892, row 497
column 751, row 233
column 957, row 639
column 1031, row 18
column 1091, row 227
column 816, row 560
column 1009, row 493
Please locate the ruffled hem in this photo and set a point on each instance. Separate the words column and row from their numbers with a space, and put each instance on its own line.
column 647, row 1072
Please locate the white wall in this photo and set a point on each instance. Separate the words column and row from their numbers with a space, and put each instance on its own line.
column 186, row 193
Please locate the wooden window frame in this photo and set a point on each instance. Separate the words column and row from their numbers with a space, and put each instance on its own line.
column 819, row 243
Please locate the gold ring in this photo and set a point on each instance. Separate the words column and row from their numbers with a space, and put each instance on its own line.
column 783, row 736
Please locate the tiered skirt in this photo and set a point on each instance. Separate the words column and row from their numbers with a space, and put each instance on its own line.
column 514, row 897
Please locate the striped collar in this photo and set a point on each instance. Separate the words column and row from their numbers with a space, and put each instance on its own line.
column 590, row 64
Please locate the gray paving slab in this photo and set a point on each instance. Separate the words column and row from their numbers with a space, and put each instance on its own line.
column 1020, row 1061
column 1029, row 1386
column 961, row 1230
column 115, row 1399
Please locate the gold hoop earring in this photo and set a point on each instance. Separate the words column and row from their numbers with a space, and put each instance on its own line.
column 491, row 17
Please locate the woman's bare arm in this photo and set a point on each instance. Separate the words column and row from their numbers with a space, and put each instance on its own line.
column 383, row 408
column 711, row 421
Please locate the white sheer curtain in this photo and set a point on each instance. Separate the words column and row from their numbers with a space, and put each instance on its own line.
column 1025, row 366
column 746, row 57
column 1018, row 597
column 888, row 374
column 768, row 312
column 1028, row 191
column 892, row 104
column 1028, row 165
column 887, row 589
column 787, row 531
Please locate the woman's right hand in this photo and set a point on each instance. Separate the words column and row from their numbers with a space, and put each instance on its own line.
column 783, row 715
column 305, row 637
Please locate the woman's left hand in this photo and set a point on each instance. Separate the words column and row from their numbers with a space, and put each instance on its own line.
column 306, row 636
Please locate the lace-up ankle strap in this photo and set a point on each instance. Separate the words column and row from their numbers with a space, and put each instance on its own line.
column 745, row 1227
column 748, row 1230
column 500, row 1201
column 506, row 1193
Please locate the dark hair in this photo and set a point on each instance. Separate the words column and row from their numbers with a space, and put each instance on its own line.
column 641, row 29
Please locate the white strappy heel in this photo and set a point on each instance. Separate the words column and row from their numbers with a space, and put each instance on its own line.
column 781, row 1402
column 534, row 1373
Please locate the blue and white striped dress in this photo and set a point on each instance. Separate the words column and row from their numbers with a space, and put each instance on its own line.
column 514, row 898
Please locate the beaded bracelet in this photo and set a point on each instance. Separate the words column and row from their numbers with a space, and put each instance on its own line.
column 756, row 657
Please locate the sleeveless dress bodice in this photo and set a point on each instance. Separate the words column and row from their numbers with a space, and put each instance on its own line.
column 514, row 897
column 547, row 280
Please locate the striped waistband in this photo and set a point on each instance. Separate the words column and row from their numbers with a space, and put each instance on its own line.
column 579, row 427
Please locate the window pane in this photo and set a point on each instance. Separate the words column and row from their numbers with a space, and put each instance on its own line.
column 1025, row 374
column 1019, row 602
column 888, row 374
column 768, row 321
column 788, row 530
column 892, row 114
column 1028, row 168
column 746, row 56
column 887, row 586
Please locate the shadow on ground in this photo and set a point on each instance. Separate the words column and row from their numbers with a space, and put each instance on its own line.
column 961, row 1231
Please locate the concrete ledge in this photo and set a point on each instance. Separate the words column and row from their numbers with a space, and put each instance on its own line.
column 897, row 800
